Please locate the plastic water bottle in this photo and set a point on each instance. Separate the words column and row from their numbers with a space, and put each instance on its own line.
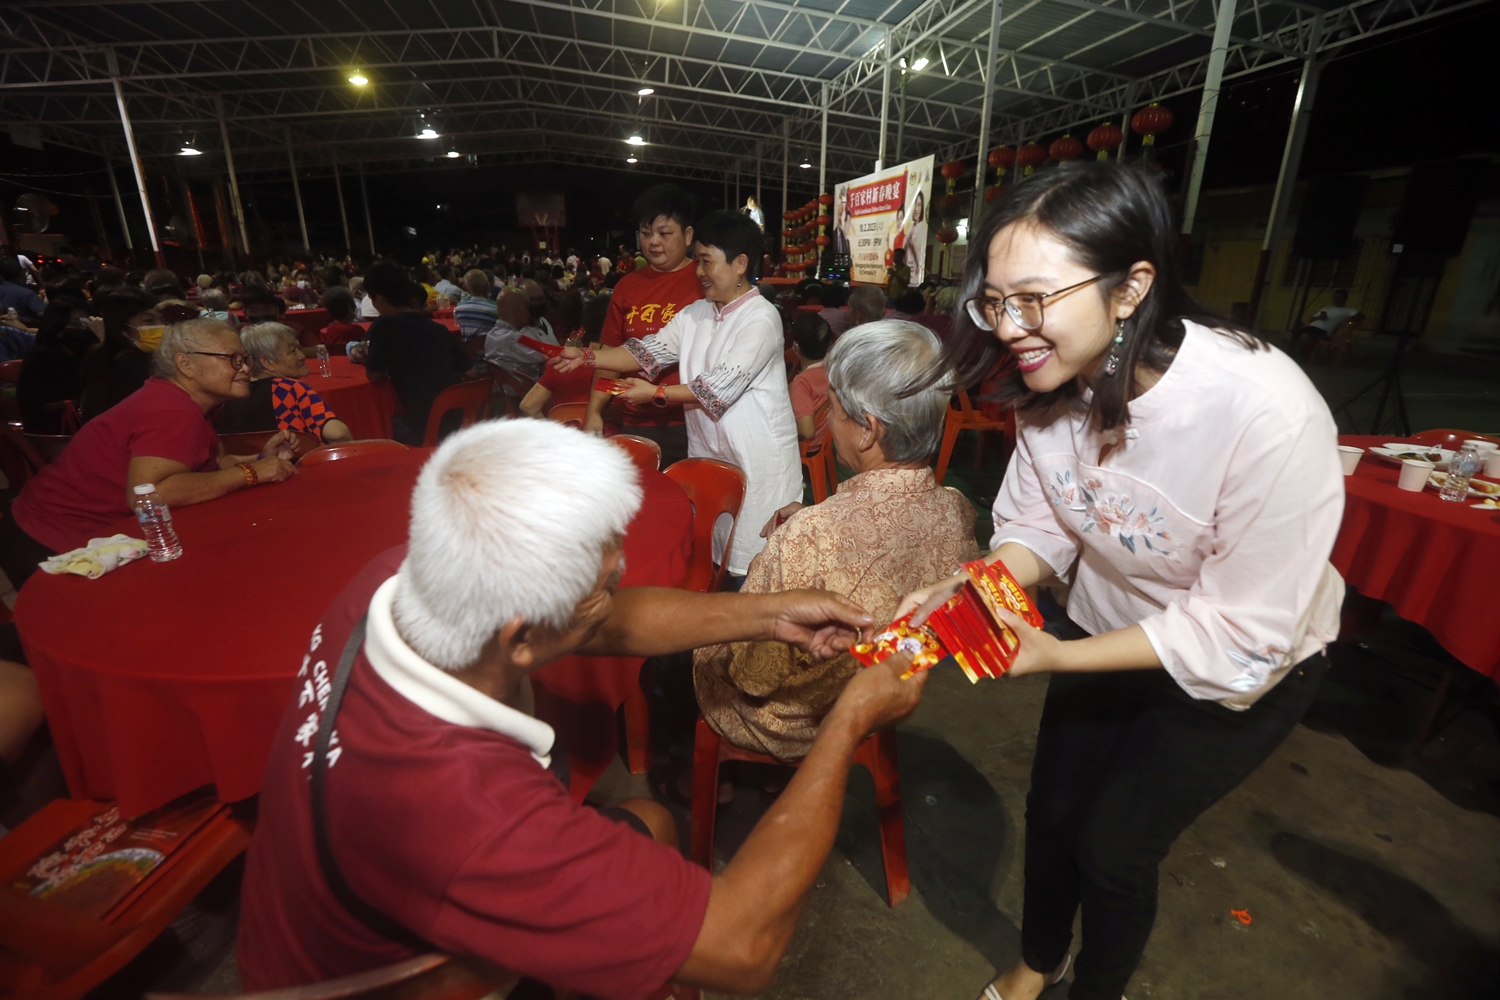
column 156, row 523
column 323, row 367
column 1461, row 469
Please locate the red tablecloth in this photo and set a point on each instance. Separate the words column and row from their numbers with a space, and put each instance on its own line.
column 160, row 678
column 1434, row 561
column 367, row 407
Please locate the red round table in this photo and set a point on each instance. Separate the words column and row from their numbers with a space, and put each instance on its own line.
column 367, row 407
column 163, row 677
column 1432, row 560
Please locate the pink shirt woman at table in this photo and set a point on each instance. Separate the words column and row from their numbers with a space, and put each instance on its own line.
column 1183, row 477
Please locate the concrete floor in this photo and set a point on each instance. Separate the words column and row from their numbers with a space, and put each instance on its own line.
column 1368, row 872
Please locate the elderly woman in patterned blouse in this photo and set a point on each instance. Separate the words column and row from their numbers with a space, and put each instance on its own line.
column 279, row 400
column 886, row 529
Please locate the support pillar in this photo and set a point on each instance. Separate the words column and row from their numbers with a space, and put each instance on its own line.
column 338, row 187
column 981, row 160
column 900, row 119
column 1286, row 178
column 786, row 159
column 1207, row 110
column 823, row 147
column 1132, row 90
column 885, row 104
column 135, row 156
column 364, row 196
column 297, row 194
column 88, row 192
column 114, row 185
column 235, row 204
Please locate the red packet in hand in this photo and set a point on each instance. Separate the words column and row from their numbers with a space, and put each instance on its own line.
column 544, row 349
column 613, row 386
column 900, row 637
column 998, row 589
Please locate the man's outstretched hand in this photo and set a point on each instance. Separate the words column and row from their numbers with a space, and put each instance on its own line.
column 817, row 621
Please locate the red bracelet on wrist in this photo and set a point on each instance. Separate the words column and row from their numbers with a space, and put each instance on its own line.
column 588, row 354
column 251, row 478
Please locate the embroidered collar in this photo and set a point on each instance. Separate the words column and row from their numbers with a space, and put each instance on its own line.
column 722, row 312
column 437, row 692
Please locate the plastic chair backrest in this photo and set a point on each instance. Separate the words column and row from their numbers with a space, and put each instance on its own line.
column 472, row 398
column 307, row 323
column 37, row 450
column 251, row 442
column 10, row 371
column 351, row 449
column 645, row 452
column 571, row 414
column 1450, row 438
column 426, row 977
column 714, row 488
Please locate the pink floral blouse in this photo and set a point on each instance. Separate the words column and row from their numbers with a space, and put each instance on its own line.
column 1209, row 524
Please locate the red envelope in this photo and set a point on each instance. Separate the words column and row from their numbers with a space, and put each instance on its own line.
column 544, row 349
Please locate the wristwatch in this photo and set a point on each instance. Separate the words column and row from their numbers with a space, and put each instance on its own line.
column 660, row 399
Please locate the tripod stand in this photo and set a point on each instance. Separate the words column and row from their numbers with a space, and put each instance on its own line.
column 1389, row 384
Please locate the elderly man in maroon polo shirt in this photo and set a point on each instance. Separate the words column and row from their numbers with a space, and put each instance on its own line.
column 408, row 803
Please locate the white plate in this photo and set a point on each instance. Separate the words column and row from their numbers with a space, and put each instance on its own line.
column 1477, row 487
column 1395, row 451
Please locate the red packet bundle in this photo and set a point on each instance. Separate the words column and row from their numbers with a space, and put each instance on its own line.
column 613, row 386
column 968, row 627
column 544, row 349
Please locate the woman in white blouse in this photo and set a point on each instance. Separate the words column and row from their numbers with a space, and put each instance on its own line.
column 728, row 349
column 1182, row 477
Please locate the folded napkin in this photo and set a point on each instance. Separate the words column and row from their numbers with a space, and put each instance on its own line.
column 98, row 557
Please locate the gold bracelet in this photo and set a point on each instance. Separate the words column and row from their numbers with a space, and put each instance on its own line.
column 251, row 479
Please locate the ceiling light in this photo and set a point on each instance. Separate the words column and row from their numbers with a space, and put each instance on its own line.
column 636, row 139
column 358, row 79
column 427, row 133
column 189, row 151
column 631, row 159
column 646, row 91
column 453, row 154
column 805, row 165
column 920, row 64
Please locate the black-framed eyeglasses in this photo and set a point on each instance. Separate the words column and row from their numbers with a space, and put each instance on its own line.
column 235, row 360
column 1023, row 308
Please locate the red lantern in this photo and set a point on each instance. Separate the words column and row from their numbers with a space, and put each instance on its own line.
column 825, row 199
column 1104, row 138
column 1002, row 157
column 952, row 171
column 947, row 234
column 824, row 220
column 950, row 203
column 1066, row 148
column 1151, row 120
column 1030, row 156
column 996, row 191
column 821, row 241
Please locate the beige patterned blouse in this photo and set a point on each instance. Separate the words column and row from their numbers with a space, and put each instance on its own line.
column 882, row 535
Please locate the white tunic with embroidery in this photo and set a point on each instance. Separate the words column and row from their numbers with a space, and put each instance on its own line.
column 1210, row 525
column 732, row 360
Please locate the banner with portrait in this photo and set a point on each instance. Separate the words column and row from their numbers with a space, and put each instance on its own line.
column 878, row 214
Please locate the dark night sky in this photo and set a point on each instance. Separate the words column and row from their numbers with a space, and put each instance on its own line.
column 1398, row 99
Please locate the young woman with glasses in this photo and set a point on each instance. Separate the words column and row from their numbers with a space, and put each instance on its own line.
column 1182, row 478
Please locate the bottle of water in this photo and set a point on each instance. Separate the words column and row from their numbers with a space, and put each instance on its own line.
column 156, row 524
column 1461, row 469
column 323, row 367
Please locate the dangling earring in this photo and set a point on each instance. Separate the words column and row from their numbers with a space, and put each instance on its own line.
column 1112, row 363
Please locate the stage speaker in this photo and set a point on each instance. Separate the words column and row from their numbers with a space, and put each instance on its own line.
column 1438, row 206
column 1325, row 222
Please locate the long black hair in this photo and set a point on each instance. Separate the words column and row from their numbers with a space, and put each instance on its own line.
column 1110, row 216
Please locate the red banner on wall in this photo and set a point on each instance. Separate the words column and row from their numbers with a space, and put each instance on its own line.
column 884, row 195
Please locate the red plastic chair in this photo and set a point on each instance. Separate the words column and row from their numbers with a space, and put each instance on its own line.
column 877, row 753
column 30, row 453
column 569, row 414
column 308, row 323
column 350, row 449
column 645, row 452
column 966, row 418
column 48, row 950
column 1442, row 437
column 821, row 471
column 472, row 398
column 251, row 442
column 714, row 488
column 10, row 371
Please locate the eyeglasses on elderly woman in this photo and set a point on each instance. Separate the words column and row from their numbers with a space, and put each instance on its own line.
column 235, row 360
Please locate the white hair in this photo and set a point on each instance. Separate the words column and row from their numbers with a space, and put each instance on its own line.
column 873, row 368
column 509, row 518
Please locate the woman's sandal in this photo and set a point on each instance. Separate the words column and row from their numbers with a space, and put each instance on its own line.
column 990, row 993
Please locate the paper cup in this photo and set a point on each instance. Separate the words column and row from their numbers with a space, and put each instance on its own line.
column 1349, row 456
column 1414, row 473
column 1483, row 446
column 1492, row 465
